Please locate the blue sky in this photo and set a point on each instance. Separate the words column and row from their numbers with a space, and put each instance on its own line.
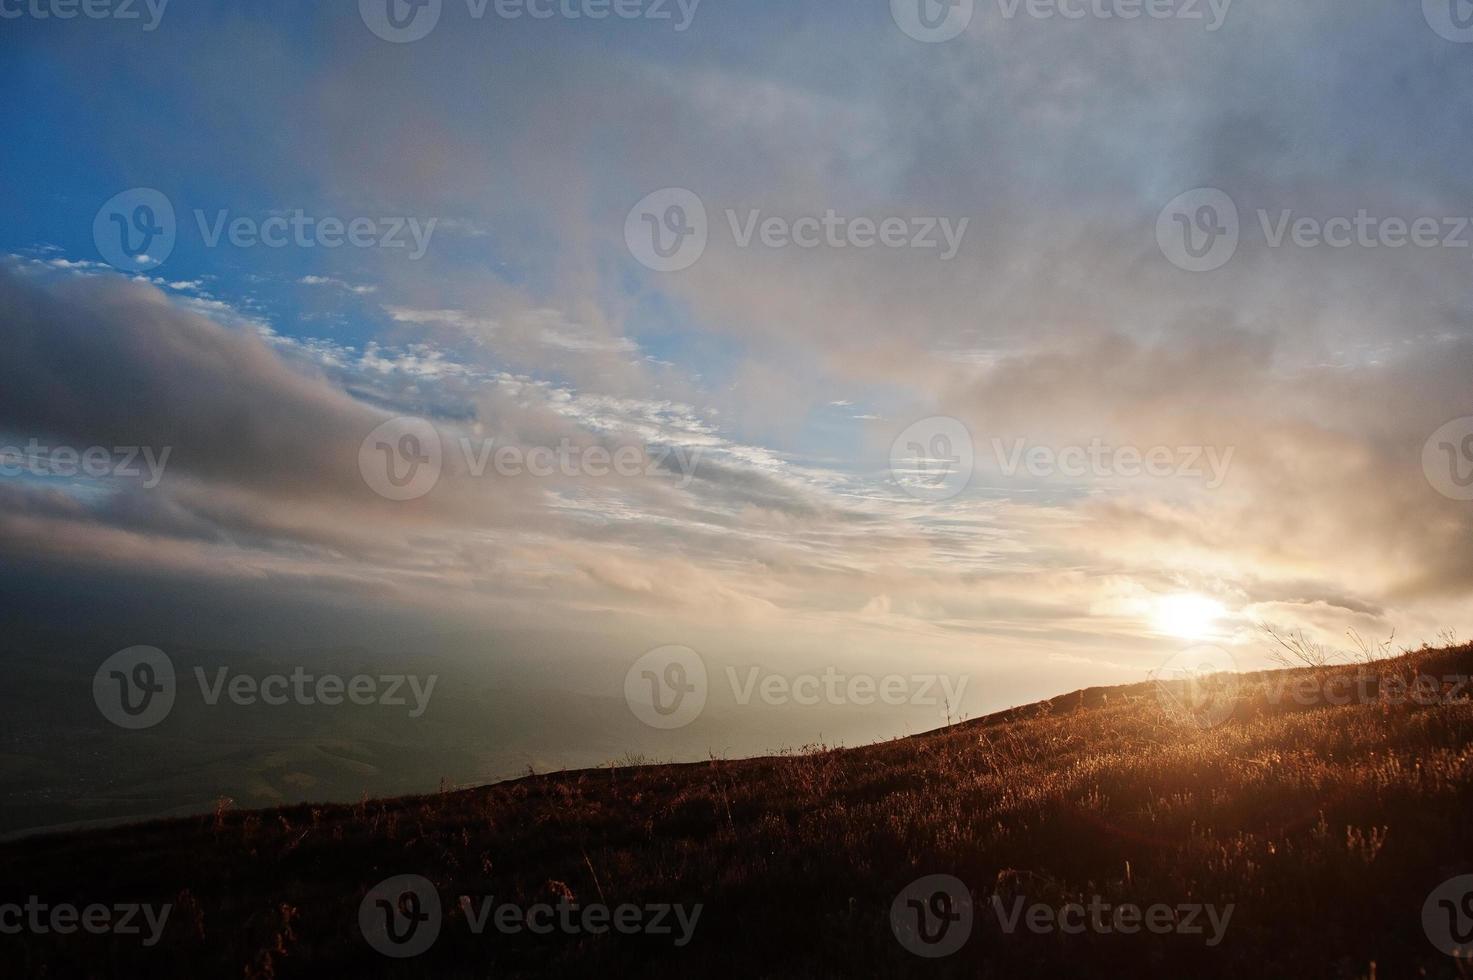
column 1316, row 376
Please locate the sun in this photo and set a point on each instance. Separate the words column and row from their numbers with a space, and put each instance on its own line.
column 1187, row 615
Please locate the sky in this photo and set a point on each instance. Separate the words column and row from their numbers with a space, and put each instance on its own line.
column 889, row 305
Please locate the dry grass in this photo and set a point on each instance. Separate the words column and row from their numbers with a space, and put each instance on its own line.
column 1325, row 825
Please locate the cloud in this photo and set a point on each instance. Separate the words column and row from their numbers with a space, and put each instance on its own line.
column 264, row 480
column 360, row 290
column 1059, row 321
column 1325, row 482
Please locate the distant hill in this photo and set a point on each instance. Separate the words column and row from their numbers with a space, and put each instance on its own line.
column 1280, row 824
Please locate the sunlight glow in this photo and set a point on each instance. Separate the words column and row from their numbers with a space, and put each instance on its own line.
column 1187, row 615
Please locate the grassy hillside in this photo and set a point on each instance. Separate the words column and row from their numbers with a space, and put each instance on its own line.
column 1324, row 826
